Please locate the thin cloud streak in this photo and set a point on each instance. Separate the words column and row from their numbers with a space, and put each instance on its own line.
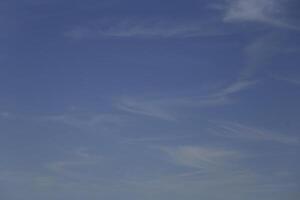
column 295, row 81
column 102, row 121
column 83, row 158
column 145, row 28
column 167, row 108
column 238, row 131
column 199, row 157
column 154, row 139
column 236, row 87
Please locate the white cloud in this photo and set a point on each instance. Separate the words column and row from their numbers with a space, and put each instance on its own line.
column 270, row 12
column 239, row 131
column 252, row 10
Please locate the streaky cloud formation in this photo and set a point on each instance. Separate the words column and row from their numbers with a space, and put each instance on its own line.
column 87, row 121
column 239, row 131
column 263, row 11
column 142, row 100
column 166, row 108
column 206, row 158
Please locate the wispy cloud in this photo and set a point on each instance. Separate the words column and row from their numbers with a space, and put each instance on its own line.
column 7, row 115
column 155, row 140
column 292, row 80
column 151, row 108
column 240, row 131
column 199, row 157
column 263, row 48
column 167, row 108
column 236, row 87
column 218, row 167
column 82, row 158
column 259, row 53
column 103, row 121
column 270, row 12
column 208, row 167
column 145, row 28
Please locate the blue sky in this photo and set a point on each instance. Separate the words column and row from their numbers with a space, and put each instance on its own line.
column 110, row 99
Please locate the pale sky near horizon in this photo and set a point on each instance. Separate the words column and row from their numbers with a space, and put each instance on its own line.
column 144, row 100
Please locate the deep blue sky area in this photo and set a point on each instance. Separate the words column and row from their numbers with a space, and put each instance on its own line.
column 143, row 100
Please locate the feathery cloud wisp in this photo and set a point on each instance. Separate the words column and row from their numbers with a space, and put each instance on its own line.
column 239, row 131
column 200, row 157
column 104, row 121
column 166, row 108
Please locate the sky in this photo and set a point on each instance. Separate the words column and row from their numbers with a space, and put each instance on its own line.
column 143, row 100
